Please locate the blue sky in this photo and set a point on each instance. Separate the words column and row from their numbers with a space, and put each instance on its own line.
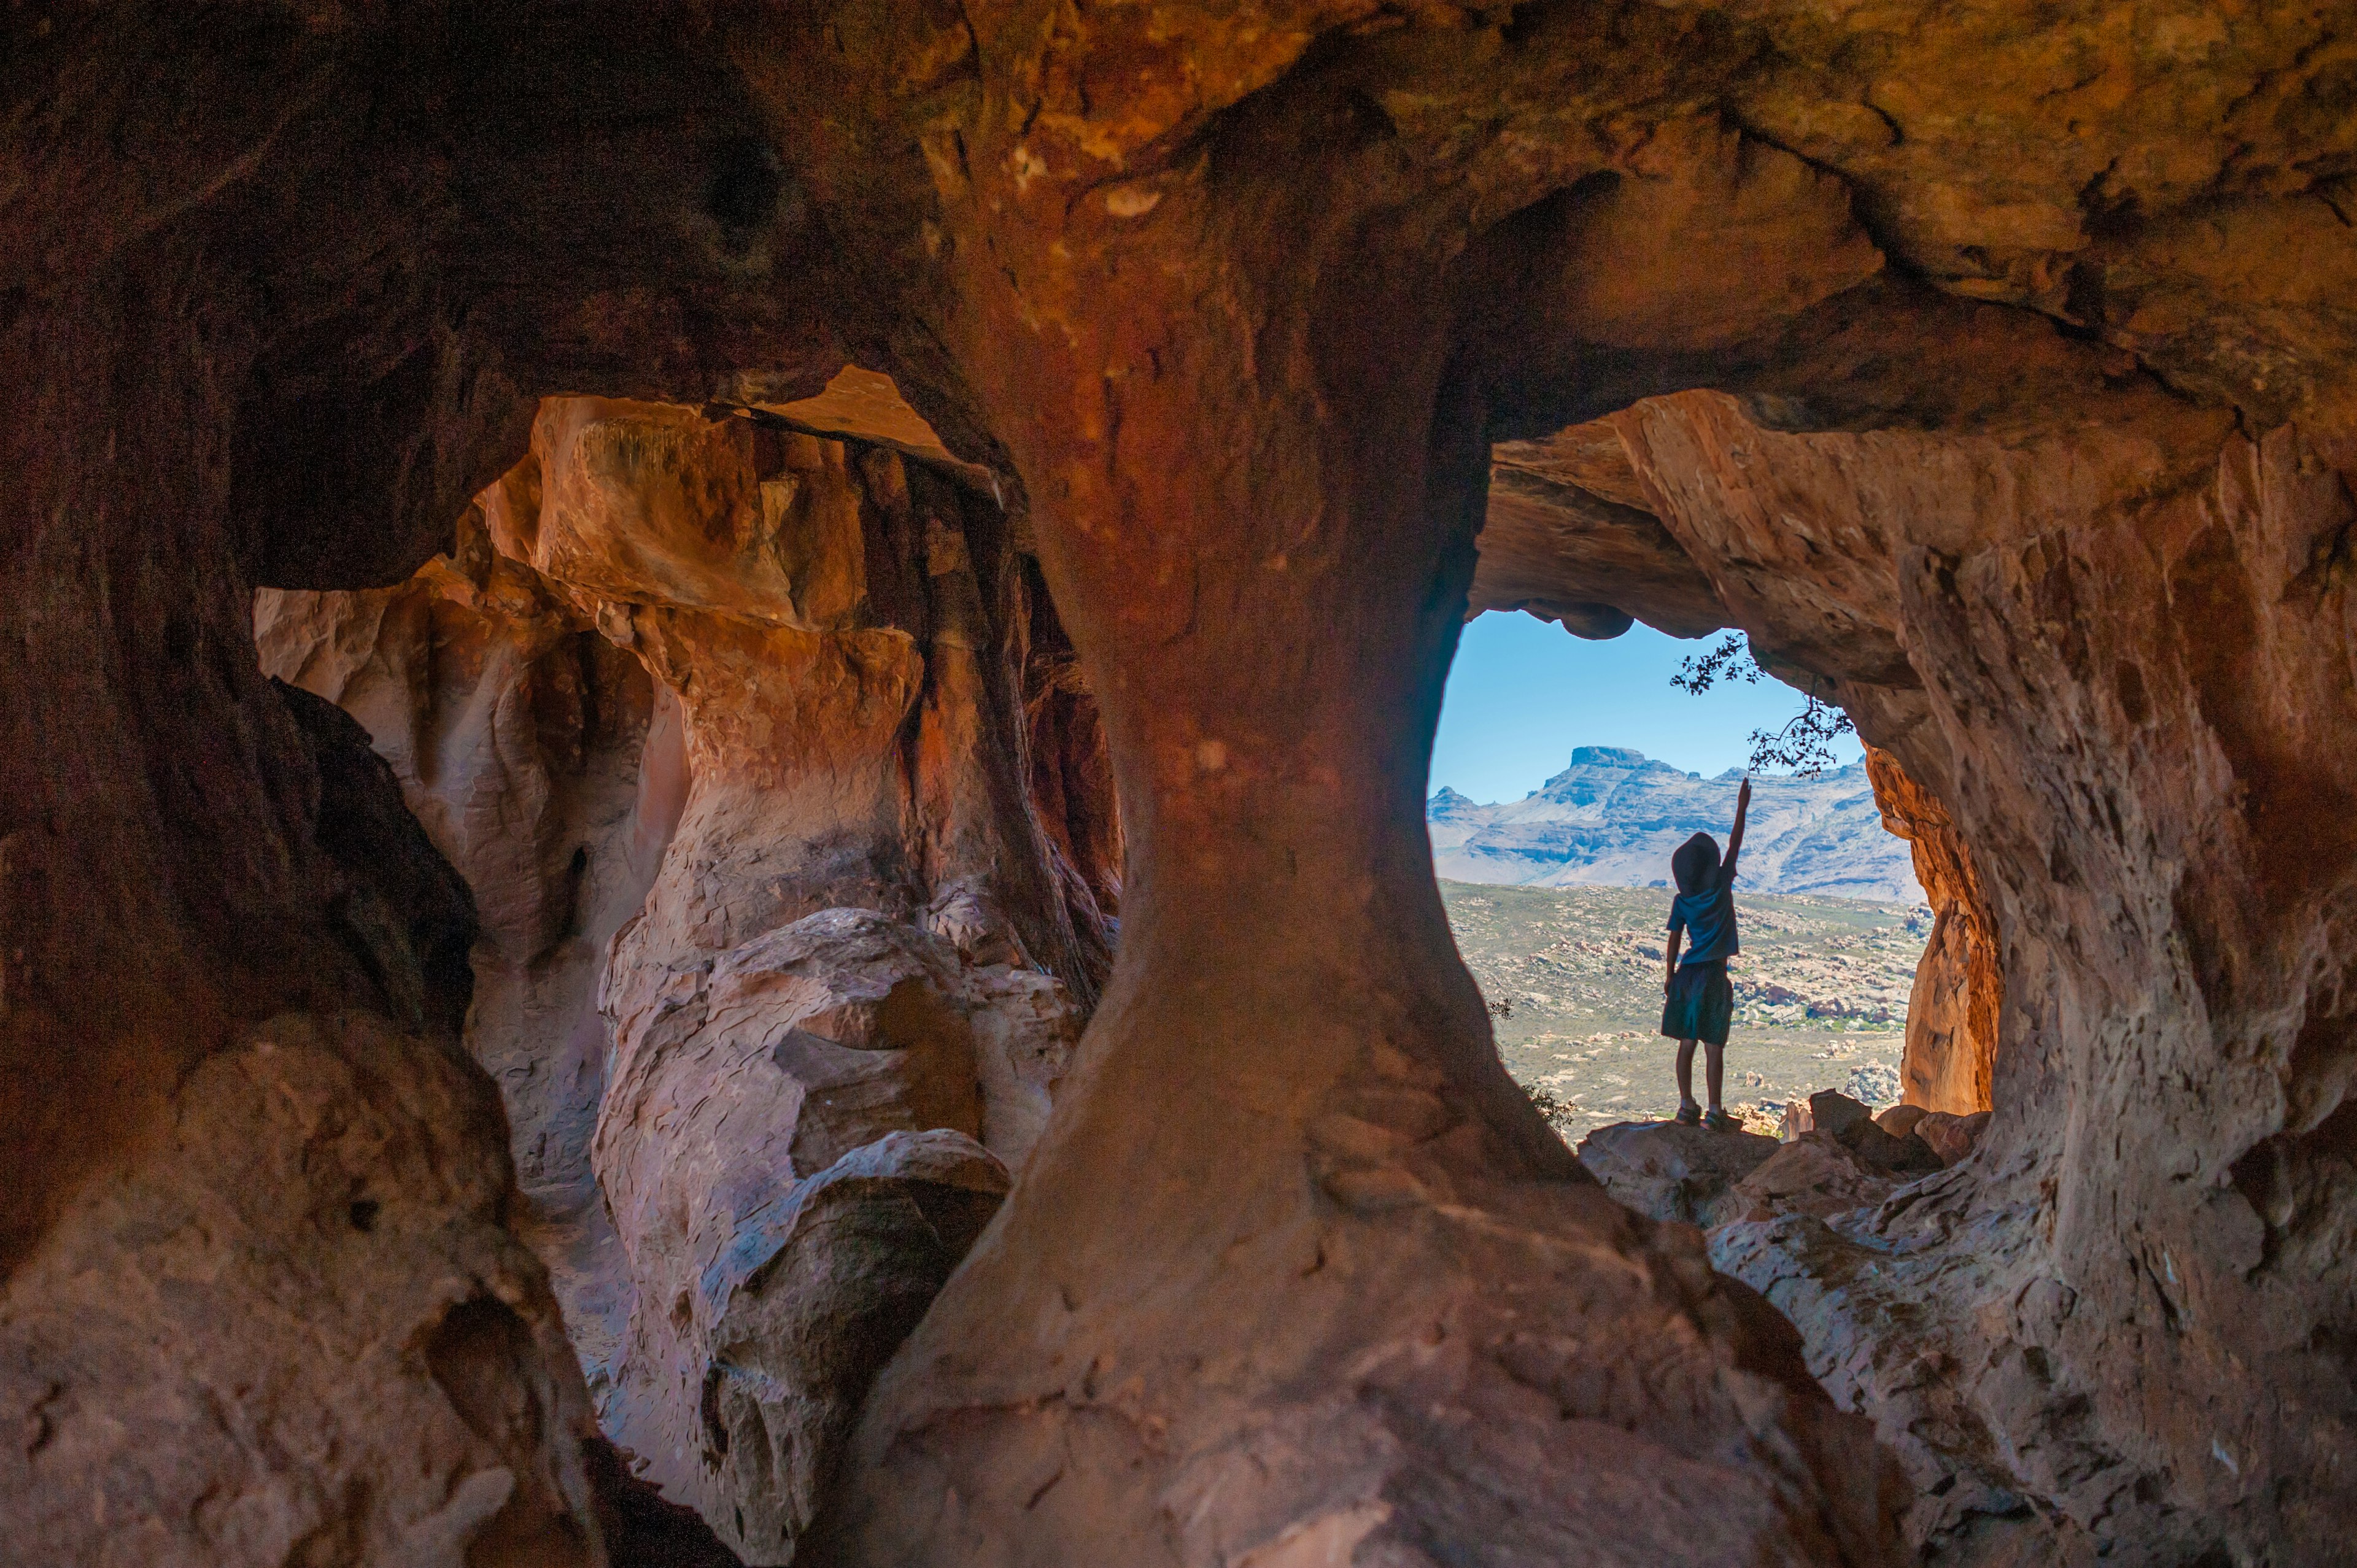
column 1524, row 691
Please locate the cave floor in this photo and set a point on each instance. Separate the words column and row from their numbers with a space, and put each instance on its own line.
column 1821, row 996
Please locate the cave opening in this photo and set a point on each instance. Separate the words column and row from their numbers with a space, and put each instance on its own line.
column 1990, row 367
column 1566, row 772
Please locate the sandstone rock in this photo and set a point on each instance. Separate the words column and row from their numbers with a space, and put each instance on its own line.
column 807, row 1300
column 330, row 1184
column 1815, row 1174
column 1836, row 1115
column 1238, row 298
column 862, row 603
column 1857, row 1303
column 1833, row 1112
column 1665, row 1171
column 1952, row 1137
column 550, row 771
column 1900, row 1120
column 1952, row 1018
column 1546, row 534
column 854, row 805
column 641, row 1526
column 1796, row 1121
column 518, row 732
column 542, row 768
column 1356, row 1270
column 790, row 1151
column 1901, row 1156
column 1960, row 583
column 404, row 911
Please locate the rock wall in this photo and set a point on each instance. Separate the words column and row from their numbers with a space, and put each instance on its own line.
column 550, row 770
column 783, row 878
column 1953, row 1016
column 1990, row 363
column 2123, row 1213
column 1295, row 1272
column 836, row 1023
column 278, row 293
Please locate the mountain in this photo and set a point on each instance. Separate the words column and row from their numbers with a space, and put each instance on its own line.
column 1613, row 816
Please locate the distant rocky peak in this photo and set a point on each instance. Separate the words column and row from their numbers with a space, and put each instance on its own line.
column 1612, row 756
column 1614, row 816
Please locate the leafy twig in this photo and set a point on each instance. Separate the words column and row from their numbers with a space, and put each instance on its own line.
column 1730, row 660
column 1558, row 1115
column 1805, row 745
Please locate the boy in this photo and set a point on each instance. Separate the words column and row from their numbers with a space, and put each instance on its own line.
column 1700, row 1002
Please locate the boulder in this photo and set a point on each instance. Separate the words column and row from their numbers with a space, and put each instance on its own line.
column 362, row 1364
column 1831, row 1111
column 1899, row 1120
column 1952, row 1138
column 1909, row 1156
column 1814, row 1174
column 792, row 1150
column 1667, row 1171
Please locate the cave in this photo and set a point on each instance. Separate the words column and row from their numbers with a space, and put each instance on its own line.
column 717, row 744
column 1567, row 773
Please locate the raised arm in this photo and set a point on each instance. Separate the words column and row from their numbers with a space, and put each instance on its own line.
column 1735, row 837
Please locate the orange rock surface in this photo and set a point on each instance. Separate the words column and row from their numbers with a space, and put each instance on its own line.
column 1953, row 1016
column 1989, row 364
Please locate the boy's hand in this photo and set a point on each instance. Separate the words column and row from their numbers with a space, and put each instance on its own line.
column 1743, row 796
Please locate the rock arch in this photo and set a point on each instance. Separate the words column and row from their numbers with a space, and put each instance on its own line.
column 1991, row 367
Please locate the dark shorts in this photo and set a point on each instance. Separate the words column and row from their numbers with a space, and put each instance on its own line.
column 1701, row 1003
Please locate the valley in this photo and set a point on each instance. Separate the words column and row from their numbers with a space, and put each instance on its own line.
column 1573, row 976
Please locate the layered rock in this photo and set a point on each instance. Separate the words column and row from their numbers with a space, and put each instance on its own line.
column 831, row 1037
column 1952, row 1018
column 273, row 326
column 1969, row 560
column 794, row 1163
column 841, row 793
column 539, row 762
column 1238, row 298
column 338, row 1181
column 1811, row 1226
column 1296, row 1273
column 551, row 771
column 1673, row 1172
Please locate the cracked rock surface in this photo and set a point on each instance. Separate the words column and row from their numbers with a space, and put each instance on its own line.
column 1989, row 365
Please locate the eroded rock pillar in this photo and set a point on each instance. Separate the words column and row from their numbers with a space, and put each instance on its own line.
column 261, row 1300
column 1952, row 1015
column 1296, row 1263
column 836, row 1023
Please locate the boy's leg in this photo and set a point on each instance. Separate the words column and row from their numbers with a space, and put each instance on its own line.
column 1685, row 1074
column 1714, row 1066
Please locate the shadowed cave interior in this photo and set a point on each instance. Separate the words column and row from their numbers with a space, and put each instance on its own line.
column 716, row 746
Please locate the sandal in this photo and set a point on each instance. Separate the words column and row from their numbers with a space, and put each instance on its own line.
column 1720, row 1121
column 1689, row 1115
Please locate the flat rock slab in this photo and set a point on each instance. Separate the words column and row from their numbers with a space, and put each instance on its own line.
column 1666, row 1171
